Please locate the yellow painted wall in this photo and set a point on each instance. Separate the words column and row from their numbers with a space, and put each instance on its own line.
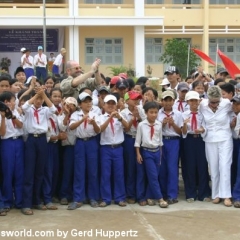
column 106, row 11
column 126, row 33
column 34, row 11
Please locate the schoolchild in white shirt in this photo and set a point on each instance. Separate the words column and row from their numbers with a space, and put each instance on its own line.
column 86, row 162
column 27, row 63
column 51, row 170
column 36, row 118
column 196, row 181
column 149, row 140
column 40, row 61
column 180, row 104
column 132, row 116
column 111, row 153
column 58, row 61
column 66, row 191
column 12, row 154
column 171, row 123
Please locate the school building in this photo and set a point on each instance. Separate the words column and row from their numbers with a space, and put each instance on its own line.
column 131, row 32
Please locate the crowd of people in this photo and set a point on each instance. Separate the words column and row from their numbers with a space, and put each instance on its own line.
column 83, row 138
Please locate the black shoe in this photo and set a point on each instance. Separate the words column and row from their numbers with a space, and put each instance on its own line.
column 172, row 200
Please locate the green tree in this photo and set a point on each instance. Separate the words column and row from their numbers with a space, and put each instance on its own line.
column 176, row 53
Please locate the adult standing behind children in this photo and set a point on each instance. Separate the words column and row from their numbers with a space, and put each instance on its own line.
column 58, row 61
column 40, row 61
column 218, row 143
column 27, row 63
column 77, row 79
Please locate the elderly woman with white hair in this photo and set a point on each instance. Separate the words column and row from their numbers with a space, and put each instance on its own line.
column 218, row 143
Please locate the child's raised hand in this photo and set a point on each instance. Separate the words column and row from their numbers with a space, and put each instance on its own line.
column 199, row 130
column 233, row 122
column 91, row 120
column 2, row 114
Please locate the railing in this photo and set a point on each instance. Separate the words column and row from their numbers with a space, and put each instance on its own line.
column 33, row 5
column 84, row 5
column 225, row 6
column 174, row 6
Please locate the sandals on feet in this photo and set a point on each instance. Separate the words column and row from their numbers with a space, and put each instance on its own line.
column 51, row 206
column 122, row 204
column 216, row 200
column 172, row 201
column 163, row 204
column 3, row 212
column 227, row 202
column 93, row 203
column 74, row 205
column 190, row 200
column 151, row 202
column 131, row 200
column 207, row 199
column 27, row 211
column 236, row 204
column 103, row 204
column 142, row 203
column 64, row 201
column 40, row 207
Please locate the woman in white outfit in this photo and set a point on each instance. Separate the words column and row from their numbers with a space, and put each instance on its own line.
column 218, row 143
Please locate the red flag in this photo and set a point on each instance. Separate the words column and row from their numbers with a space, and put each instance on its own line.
column 203, row 56
column 229, row 65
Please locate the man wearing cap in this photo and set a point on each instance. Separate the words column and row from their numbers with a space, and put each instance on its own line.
column 58, row 61
column 221, row 73
column 77, row 79
column 40, row 61
column 27, row 63
column 121, row 87
column 180, row 103
column 172, row 74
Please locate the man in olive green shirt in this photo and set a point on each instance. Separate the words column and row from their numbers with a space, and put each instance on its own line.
column 77, row 79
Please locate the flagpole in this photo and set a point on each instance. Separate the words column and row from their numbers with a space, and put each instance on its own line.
column 217, row 58
column 188, row 59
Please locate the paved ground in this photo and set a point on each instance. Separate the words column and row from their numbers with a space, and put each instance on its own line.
column 182, row 221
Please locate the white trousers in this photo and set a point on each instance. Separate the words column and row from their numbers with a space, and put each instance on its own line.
column 219, row 157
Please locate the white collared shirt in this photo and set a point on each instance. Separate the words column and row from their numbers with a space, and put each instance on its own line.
column 58, row 60
column 107, row 136
column 232, row 115
column 126, row 113
column 11, row 130
column 42, row 58
column 143, row 137
column 200, row 122
column 26, row 65
column 84, row 131
column 71, row 138
column 53, row 129
column 96, row 110
column 178, row 108
column 218, row 123
column 44, row 113
column 178, row 120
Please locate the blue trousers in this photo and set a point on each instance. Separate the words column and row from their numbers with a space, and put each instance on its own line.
column 12, row 155
column 86, row 166
column 55, row 69
column 130, row 163
column 151, row 162
column 36, row 154
column 234, row 166
column 112, row 158
column 196, row 180
column 41, row 72
column 168, row 172
column 29, row 72
column 236, row 188
column 50, row 172
column 1, row 200
column 67, row 177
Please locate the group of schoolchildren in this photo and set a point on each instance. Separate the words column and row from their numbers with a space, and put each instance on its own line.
column 123, row 148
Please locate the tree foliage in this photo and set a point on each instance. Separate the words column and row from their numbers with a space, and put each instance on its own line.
column 176, row 53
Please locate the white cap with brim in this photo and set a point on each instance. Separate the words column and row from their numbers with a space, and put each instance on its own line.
column 23, row 49
column 71, row 100
column 168, row 93
column 29, row 80
column 110, row 98
column 164, row 82
column 192, row 95
column 82, row 96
